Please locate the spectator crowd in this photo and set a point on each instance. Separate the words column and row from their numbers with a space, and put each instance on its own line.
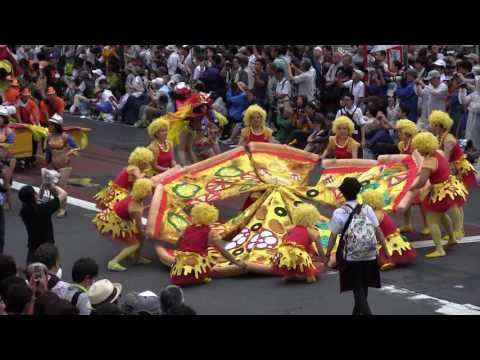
column 40, row 290
column 302, row 87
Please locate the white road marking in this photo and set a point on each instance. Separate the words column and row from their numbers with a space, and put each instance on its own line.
column 445, row 307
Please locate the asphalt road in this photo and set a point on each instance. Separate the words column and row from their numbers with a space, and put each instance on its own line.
column 447, row 285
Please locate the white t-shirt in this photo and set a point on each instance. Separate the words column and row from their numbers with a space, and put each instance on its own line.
column 357, row 89
column 106, row 95
column 283, row 87
column 199, row 69
column 173, row 63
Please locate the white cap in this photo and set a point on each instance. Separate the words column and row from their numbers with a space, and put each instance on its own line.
column 359, row 73
column 159, row 81
column 3, row 111
column 6, row 110
column 56, row 119
column 440, row 63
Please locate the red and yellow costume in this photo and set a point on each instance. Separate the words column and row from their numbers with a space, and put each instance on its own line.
column 117, row 189
column 192, row 262
column 118, row 222
column 400, row 250
column 446, row 195
column 407, row 130
column 460, row 166
column 248, row 135
column 441, row 123
column 405, row 147
column 345, row 150
column 294, row 255
column 163, row 155
column 194, row 122
column 446, row 190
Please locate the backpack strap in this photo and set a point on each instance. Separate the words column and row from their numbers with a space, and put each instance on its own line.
column 52, row 282
column 75, row 297
column 355, row 210
column 341, row 242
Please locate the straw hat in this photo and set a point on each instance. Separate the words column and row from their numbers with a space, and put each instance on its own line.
column 104, row 291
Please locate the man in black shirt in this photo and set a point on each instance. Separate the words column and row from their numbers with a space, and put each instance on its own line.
column 37, row 217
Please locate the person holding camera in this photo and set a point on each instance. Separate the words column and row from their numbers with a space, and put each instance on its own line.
column 355, row 86
column 434, row 95
column 37, row 216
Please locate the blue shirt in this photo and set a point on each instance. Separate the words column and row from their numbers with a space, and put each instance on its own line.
column 238, row 103
column 406, row 94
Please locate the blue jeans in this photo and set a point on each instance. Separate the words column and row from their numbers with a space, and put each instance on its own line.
column 105, row 107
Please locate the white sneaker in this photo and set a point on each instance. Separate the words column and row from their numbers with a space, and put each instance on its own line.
column 109, row 118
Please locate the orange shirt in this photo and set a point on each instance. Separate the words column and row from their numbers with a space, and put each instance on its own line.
column 44, row 109
column 29, row 114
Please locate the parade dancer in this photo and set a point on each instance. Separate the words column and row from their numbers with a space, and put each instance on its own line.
column 7, row 161
column 60, row 148
column 400, row 250
column 192, row 125
column 294, row 256
column 205, row 127
column 255, row 129
column 342, row 145
column 441, row 123
column 139, row 162
column 123, row 222
column 446, row 195
column 406, row 131
column 162, row 149
column 192, row 262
